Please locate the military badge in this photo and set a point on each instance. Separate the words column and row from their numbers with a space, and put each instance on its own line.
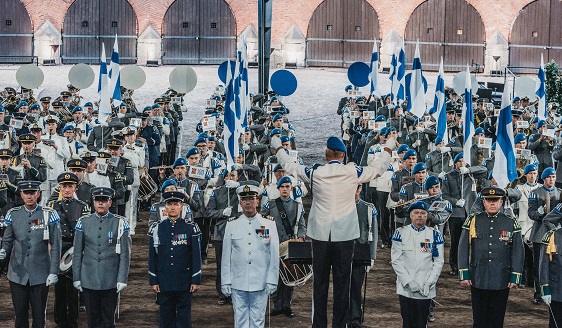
column 506, row 235
column 262, row 232
column 426, row 246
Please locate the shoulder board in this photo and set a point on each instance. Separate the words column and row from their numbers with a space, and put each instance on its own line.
column 47, row 209
column 14, row 209
column 269, row 217
column 369, row 204
column 469, row 219
column 121, row 217
column 547, row 236
column 232, row 218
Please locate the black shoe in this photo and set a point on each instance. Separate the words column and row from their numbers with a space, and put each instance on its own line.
column 537, row 301
column 289, row 313
column 222, row 301
column 383, row 246
column 453, row 273
column 275, row 312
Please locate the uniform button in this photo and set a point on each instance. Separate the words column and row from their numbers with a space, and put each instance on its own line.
column 99, row 236
column 249, row 253
column 249, row 262
column 489, row 260
column 489, row 252
column 29, row 223
column 99, row 260
column 171, row 248
column 249, row 222
column 99, row 253
column 100, row 228
column 171, row 256
column 491, row 228
column 172, row 263
column 99, row 245
column 249, row 233
column 490, row 237
column 490, row 244
column 249, row 243
column 27, row 255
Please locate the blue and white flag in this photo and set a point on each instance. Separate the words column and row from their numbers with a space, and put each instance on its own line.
column 230, row 122
column 115, row 76
column 439, row 110
column 393, row 75
column 374, row 70
column 244, row 93
column 541, row 92
column 103, row 89
column 401, row 74
column 468, row 119
column 505, row 154
column 416, row 90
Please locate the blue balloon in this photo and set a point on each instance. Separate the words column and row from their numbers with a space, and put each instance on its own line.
column 283, row 82
column 358, row 74
column 223, row 67
column 408, row 78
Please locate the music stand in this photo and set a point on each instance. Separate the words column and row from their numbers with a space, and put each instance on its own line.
column 52, row 60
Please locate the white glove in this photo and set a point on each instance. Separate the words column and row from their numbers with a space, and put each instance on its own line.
column 390, row 143
column 445, row 149
column 246, row 147
column 541, row 210
column 275, row 142
column 441, row 175
column 237, row 166
column 232, row 184
column 547, row 299
column 461, row 202
column 425, row 289
column 270, row 289
column 417, row 143
column 227, row 211
column 464, row 170
column 2, row 254
column 78, row 285
column 419, row 128
column 414, row 287
column 226, row 290
column 52, row 279
column 120, row 287
column 368, row 268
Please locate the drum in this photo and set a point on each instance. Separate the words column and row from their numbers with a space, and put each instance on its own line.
column 66, row 260
column 147, row 187
column 292, row 274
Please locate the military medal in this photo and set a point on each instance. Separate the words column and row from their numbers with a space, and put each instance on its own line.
column 426, row 246
column 46, row 232
column 110, row 236
column 262, row 232
column 506, row 235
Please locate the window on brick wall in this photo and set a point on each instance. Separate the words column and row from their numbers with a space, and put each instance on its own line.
column 429, row 30
column 213, row 25
column 185, row 25
column 329, row 27
column 84, row 23
column 357, row 28
column 8, row 22
column 534, row 34
column 114, row 24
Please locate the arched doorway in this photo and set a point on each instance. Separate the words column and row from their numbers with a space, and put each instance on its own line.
column 537, row 29
column 88, row 23
column 449, row 28
column 198, row 32
column 16, row 33
column 341, row 32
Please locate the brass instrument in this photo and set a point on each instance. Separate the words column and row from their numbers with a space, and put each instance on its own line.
column 551, row 141
column 411, row 201
column 520, row 164
column 527, row 131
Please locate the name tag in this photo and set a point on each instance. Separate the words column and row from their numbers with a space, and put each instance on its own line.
column 197, row 172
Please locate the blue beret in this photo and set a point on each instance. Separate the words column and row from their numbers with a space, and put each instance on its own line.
column 95, row 112
column 380, row 118
column 479, row 131
column 68, row 127
column 458, row 157
column 348, row 87
column 283, row 180
column 199, row 140
column 88, row 104
column 490, row 175
column 76, row 109
column 179, row 161
column 360, row 98
column 390, row 129
column 408, row 153
column 23, row 103
column 419, row 167
column 277, row 117
column 419, row 205
column 529, row 168
column 494, row 146
column 2, row 110
column 547, row 172
column 35, row 106
column 277, row 167
column 203, row 135
column 247, row 129
column 275, row 131
column 284, row 138
column 146, row 108
column 535, row 119
column 192, row 151
column 168, row 183
column 416, row 121
column 155, row 106
column 335, row 143
column 519, row 137
column 402, row 147
column 541, row 123
column 211, row 138
column 516, row 99
column 430, row 182
column 273, row 99
column 383, row 131
column 216, row 97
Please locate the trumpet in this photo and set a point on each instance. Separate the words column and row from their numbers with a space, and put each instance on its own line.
column 161, row 167
column 551, row 142
column 411, row 201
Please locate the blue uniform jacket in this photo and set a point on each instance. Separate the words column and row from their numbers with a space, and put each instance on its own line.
column 174, row 256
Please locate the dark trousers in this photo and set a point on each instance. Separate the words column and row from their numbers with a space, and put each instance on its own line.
column 282, row 297
column 455, row 228
column 205, row 227
column 25, row 295
column 357, row 279
column 555, row 314
column 66, row 303
column 100, row 307
column 338, row 256
column 175, row 309
column 218, row 257
column 384, row 217
column 536, row 261
column 371, row 194
column 414, row 312
column 488, row 307
column 121, row 209
column 528, row 273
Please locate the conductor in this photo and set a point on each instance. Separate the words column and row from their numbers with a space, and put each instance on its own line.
column 333, row 223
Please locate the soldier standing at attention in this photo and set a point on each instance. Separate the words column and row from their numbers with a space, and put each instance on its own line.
column 69, row 210
column 550, row 269
column 174, row 262
column 491, row 258
column 100, row 264
column 33, row 238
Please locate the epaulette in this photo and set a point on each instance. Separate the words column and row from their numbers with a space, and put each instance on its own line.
column 269, row 217
column 369, row 204
column 14, row 209
column 468, row 221
column 232, row 218
column 547, row 236
column 48, row 209
column 121, row 217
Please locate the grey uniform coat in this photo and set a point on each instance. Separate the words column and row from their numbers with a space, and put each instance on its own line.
column 295, row 215
column 438, row 162
column 218, row 201
column 32, row 258
column 452, row 189
column 537, row 199
column 550, row 265
column 368, row 226
column 96, row 263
